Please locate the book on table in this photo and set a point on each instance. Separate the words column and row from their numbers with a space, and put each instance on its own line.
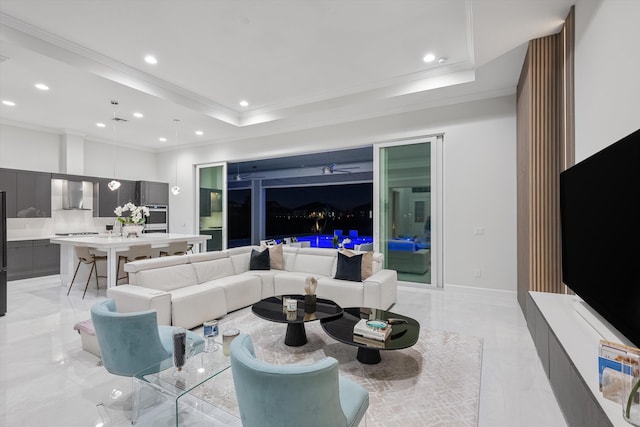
column 369, row 342
column 362, row 329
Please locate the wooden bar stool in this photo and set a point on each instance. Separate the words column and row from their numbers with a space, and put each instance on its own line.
column 133, row 254
column 176, row 248
column 85, row 256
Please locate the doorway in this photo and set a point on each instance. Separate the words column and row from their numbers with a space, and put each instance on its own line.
column 407, row 208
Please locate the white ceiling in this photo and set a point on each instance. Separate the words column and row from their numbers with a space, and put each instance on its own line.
column 300, row 63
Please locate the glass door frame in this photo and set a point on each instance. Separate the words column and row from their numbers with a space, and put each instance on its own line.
column 224, row 198
column 437, row 199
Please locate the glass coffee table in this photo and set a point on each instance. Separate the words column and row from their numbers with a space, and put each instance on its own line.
column 273, row 309
column 404, row 333
column 182, row 397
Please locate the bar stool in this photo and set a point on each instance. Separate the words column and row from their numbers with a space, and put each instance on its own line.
column 176, row 248
column 85, row 256
column 133, row 254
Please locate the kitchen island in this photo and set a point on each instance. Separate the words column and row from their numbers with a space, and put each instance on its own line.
column 111, row 245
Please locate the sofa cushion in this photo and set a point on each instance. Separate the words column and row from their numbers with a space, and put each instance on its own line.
column 259, row 260
column 349, row 267
column 167, row 278
column 213, row 269
column 240, row 258
column 316, row 261
column 367, row 263
column 194, row 305
column 240, row 290
column 345, row 293
column 276, row 256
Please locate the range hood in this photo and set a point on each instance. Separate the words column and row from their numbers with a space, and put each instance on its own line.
column 72, row 196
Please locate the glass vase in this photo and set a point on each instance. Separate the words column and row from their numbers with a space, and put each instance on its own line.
column 631, row 394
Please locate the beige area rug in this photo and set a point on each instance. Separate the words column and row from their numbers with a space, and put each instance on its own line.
column 434, row 383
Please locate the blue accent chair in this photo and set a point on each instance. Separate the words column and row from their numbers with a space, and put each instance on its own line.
column 132, row 342
column 337, row 233
column 312, row 395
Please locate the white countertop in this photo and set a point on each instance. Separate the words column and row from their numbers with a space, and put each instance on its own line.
column 104, row 241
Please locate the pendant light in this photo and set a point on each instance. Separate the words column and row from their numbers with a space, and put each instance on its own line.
column 176, row 188
column 114, row 184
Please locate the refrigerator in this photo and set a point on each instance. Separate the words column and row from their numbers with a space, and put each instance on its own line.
column 3, row 253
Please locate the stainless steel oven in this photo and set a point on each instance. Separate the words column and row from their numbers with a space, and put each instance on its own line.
column 158, row 219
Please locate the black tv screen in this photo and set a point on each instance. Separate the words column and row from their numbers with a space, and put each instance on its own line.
column 600, row 222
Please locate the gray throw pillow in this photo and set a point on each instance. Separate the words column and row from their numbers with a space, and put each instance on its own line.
column 259, row 260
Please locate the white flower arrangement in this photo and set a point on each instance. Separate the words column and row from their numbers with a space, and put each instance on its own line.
column 136, row 216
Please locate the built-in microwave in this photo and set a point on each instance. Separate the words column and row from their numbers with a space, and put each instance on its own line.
column 158, row 219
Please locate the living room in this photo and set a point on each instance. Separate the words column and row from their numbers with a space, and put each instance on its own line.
column 480, row 177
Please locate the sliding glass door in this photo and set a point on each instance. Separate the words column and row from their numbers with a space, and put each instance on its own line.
column 407, row 208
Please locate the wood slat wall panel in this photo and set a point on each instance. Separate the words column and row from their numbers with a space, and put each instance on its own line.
column 545, row 148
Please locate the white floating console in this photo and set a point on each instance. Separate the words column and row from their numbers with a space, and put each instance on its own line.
column 566, row 333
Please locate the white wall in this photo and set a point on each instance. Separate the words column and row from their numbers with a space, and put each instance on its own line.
column 41, row 150
column 607, row 69
column 480, row 176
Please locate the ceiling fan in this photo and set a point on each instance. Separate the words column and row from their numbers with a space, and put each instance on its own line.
column 331, row 168
column 248, row 176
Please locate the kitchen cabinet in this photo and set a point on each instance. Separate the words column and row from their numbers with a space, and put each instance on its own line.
column 28, row 193
column 215, row 243
column 108, row 200
column 152, row 193
column 46, row 258
column 210, row 201
column 8, row 182
column 32, row 258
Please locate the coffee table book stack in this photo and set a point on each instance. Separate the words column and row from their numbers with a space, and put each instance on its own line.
column 373, row 333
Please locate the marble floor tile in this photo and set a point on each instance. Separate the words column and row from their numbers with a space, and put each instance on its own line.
column 46, row 379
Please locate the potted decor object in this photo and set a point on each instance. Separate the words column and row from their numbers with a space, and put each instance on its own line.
column 133, row 224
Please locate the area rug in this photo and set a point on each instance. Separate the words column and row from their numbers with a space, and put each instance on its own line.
column 434, row 383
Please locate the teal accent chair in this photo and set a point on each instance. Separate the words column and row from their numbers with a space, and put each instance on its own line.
column 312, row 395
column 132, row 342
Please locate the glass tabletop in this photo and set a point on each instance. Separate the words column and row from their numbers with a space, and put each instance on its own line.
column 182, row 386
column 273, row 309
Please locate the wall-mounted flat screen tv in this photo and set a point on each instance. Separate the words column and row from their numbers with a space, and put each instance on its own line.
column 600, row 219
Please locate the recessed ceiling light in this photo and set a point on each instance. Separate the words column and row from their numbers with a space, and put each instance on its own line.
column 150, row 59
column 101, row 125
column 8, row 103
column 162, row 139
column 138, row 115
column 42, row 86
column 442, row 60
column 429, row 57
column 244, row 103
column 199, row 133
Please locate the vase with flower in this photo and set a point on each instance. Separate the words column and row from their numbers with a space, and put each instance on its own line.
column 133, row 223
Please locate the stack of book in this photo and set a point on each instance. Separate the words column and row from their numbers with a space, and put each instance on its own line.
column 371, row 336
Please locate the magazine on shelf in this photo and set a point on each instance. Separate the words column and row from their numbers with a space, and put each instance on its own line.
column 362, row 329
column 615, row 362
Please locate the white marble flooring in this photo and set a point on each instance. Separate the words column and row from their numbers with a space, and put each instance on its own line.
column 46, row 379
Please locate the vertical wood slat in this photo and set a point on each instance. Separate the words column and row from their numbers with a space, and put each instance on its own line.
column 545, row 148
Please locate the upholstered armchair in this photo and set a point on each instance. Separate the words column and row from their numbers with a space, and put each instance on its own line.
column 132, row 342
column 312, row 395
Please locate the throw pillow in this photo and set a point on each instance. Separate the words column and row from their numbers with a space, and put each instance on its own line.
column 349, row 268
column 276, row 256
column 367, row 263
column 259, row 260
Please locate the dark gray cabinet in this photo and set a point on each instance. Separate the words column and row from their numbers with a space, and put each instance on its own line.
column 46, row 258
column 152, row 193
column 108, row 200
column 32, row 258
column 215, row 243
column 19, row 259
column 8, row 183
column 28, row 193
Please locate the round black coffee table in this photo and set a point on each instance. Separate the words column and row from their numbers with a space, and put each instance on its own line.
column 404, row 333
column 272, row 309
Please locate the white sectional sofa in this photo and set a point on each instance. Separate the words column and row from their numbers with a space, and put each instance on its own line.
column 187, row 290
